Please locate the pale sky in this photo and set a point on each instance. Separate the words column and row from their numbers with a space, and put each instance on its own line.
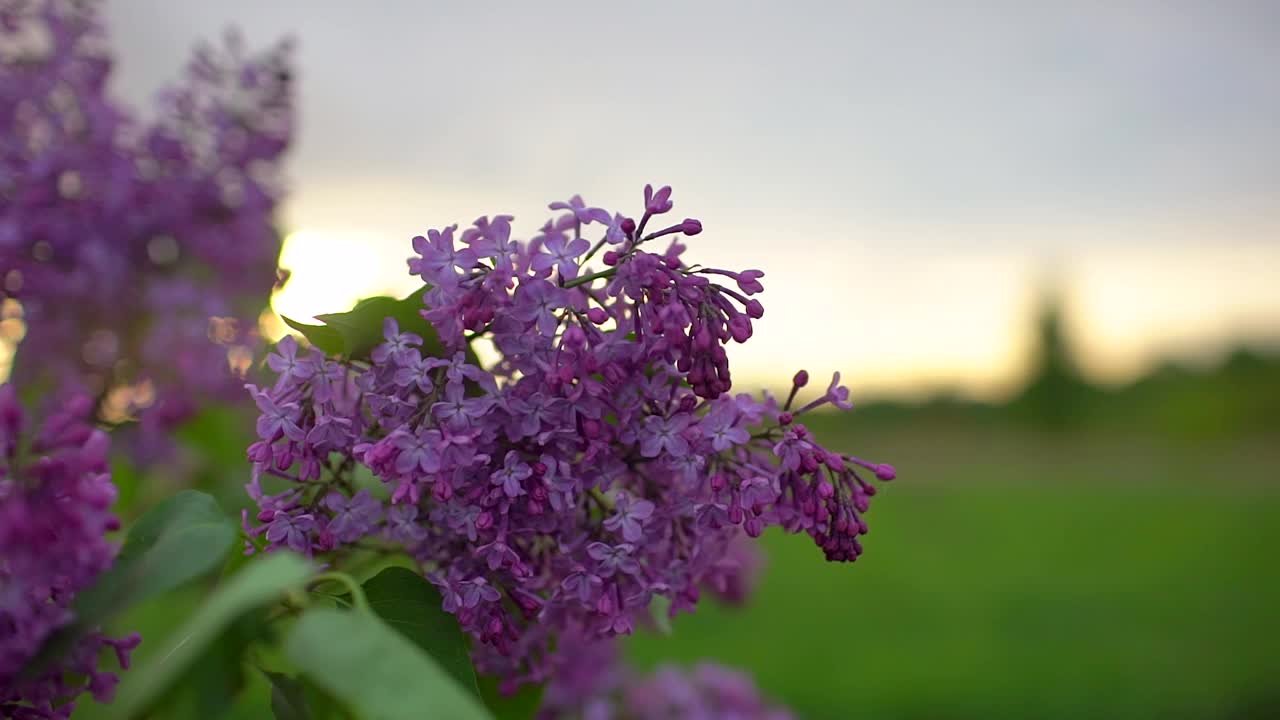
column 904, row 173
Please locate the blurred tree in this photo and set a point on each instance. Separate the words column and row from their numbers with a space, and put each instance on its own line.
column 1056, row 394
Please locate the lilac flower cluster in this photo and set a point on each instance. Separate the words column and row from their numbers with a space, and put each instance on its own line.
column 600, row 463
column 129, row 247
column 55, row 500
column 591, row 683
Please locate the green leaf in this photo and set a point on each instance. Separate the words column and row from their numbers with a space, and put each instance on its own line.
column 237, row 560
column 288, row 697
column 180, row 539
column 374, row 670
column 355, row 333
column 413, row 607
column 522, row 705
column 361, row 327
column 257, row 585
column 212, row 685
column 327, row 339
column 299, row 699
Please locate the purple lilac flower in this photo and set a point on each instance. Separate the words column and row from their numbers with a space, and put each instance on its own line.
column 352, row 517
column 581, row 584
column 458, row 411
column 734, row 575
column 440, row 261
column 475, row 591
column 170, row 218
column 537, row 302
column 836, row 394
column 291, row 531
column 589, row 680
column 329, row 431
column 601, row 461
column 723, row 426
column 415, row 370
column 659, row 202
column 284, row 361
column 277, row 418
column 419, row 452
column 614, row 558
column 629, row 517
column 398, row 346
column 581, row 212
column 403, row 526
column 664, row 435
column 55, row 500
column 561, row 252
column 511, row 474
column 498, row 554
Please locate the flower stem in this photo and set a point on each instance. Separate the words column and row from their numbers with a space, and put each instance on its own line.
column 583, row 280
column 591, row 253
column 601, row 499
column 357, row 593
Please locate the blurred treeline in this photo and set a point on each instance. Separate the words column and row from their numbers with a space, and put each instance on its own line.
column 1236, row 397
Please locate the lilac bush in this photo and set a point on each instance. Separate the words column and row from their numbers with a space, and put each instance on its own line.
column 601, row 472
column 601, row 462
column 55, row 500
column 129, row 245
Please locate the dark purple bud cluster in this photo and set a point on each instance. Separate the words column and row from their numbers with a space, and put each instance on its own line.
column 601, row 462
column 55, row 500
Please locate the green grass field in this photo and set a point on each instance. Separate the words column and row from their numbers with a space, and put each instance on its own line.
column 1013, row 574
